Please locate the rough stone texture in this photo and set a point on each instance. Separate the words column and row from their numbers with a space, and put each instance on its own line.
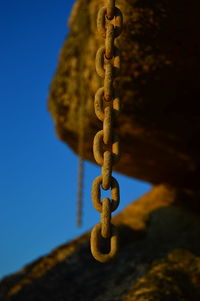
column 159, row 124
column 175, row 278
column 158, row 260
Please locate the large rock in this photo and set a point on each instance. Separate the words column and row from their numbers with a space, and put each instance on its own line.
column 159, row 259
column 159, row 124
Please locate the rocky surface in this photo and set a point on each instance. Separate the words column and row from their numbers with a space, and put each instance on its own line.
column 159, row 87
column 158, row 259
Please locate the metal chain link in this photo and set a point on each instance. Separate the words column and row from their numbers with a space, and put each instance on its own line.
column 106, row 143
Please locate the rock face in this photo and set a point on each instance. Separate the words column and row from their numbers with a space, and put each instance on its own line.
column 159, row 124
column 158, row 259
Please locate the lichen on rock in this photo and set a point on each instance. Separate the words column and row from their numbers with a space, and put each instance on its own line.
column 159, row 258
column 176, row 277
column 159, row 87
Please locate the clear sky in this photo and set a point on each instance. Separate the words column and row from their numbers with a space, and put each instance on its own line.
column 37, row 171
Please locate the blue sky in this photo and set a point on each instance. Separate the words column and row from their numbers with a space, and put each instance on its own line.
column 38, row 173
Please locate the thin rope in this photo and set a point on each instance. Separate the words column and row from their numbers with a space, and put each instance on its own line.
column 79, row 218
column 79, row 215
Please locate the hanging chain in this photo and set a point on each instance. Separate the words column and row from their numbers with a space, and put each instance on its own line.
column 106, row 143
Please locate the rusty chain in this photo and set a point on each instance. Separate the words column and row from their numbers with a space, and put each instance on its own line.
column 106, row 143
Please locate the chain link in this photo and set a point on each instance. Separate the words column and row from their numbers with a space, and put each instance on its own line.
column 98, row 146
column 95, row 244
column 105, row 218
column 106, row 143
column 106, row 170
column 96, row 193
column 110, row 9
column 98, row 104
column 102, row 19
column 101, row 60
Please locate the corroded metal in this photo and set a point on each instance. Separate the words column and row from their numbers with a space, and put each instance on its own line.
column 98, row 104
column 117, row 21
column 106, row 170
column 110, row 9
column 108, row 82
column 105, row 218
column 95, row 244
column 96, row 193
column 106, row 143
column 98, row 147
column 101, row 60
column 109, row 42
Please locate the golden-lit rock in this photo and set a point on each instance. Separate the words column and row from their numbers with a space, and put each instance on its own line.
column 159, row 259
column 159, row 83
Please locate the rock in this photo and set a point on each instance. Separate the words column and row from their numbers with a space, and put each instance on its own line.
column 176, row 277
column 158, row 259
column 159, row 83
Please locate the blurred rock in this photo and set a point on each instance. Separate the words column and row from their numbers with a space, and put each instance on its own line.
column 159, row 123
column 158, row 259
